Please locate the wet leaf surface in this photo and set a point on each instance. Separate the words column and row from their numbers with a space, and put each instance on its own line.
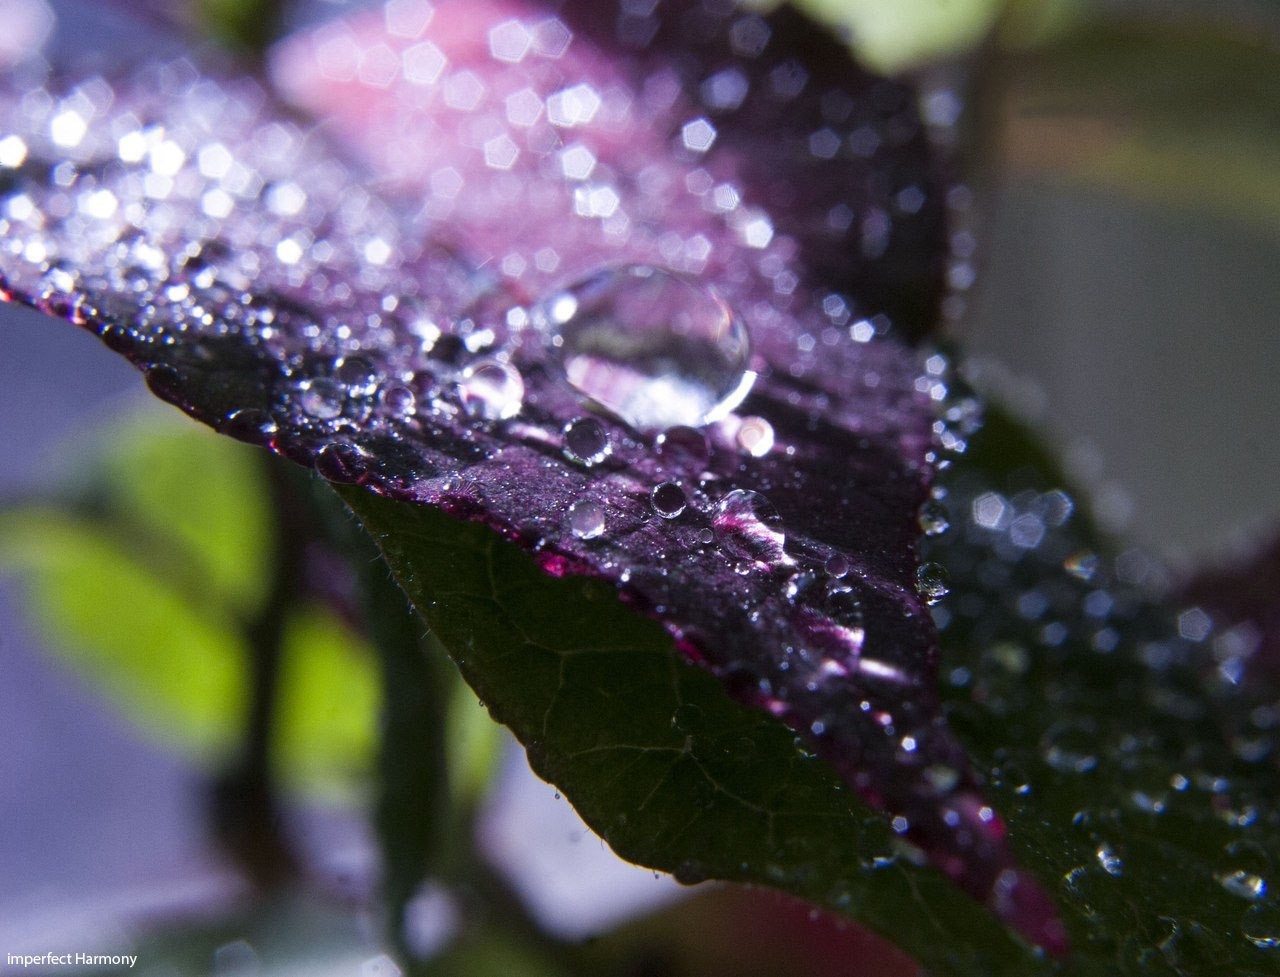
column 655, row 755
column 1129, row 740
column 456, row 310
column 593, row 308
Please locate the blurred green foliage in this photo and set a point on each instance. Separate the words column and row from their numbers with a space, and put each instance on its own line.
column 145, row 578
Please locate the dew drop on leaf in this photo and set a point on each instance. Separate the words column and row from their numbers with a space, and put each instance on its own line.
column 399, row 399
column 1244, row 884
column 686, row 716
column 668, row 500
column 586, row 441
column 933, row 518
column 491, row 389
column 932, row 583
column 654, row 348
column 1111, row 863
column 321, row 398
column 838, row 565
column 357, row 375
column 251, row 425
column 586, row 519
column 690, row 872
column 341, row 461
column 1261, row 926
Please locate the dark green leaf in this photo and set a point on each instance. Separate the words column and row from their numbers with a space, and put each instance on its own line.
column 652, row 751
column 1135, row 768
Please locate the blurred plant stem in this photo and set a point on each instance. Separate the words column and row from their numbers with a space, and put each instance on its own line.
column 412, row 816
column 425, row 820
column 245, row 804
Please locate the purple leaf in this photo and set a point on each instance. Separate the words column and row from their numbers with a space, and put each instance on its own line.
column 630, row 289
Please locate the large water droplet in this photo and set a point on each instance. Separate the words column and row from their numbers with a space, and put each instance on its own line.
column 650, row 346
column 586, row 519
column 749, row 528
column 491, row 389
column 586, row 441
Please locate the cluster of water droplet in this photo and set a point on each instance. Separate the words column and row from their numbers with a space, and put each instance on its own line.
column 1142, row 713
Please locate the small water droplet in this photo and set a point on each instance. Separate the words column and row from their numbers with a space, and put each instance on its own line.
column 749, row 528
column 491, row 389
column 166, row 383
column 690, row 872
column 755, row 436
column 586, row 519
column 1069, row 747
column 668, row 500
column 845, row 607
column 251, row 425
column 357, row 375
column 341, row 461
column 1111, row 863
column 838, row 565
column 652, row 347
column 586, row 441
column 399, row 399
column 1244, row 884
column 934, row 520
column 932, row 583
column 321, row 398
column 1261, row 926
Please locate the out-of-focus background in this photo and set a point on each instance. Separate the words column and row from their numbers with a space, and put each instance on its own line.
column 1124, row 254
